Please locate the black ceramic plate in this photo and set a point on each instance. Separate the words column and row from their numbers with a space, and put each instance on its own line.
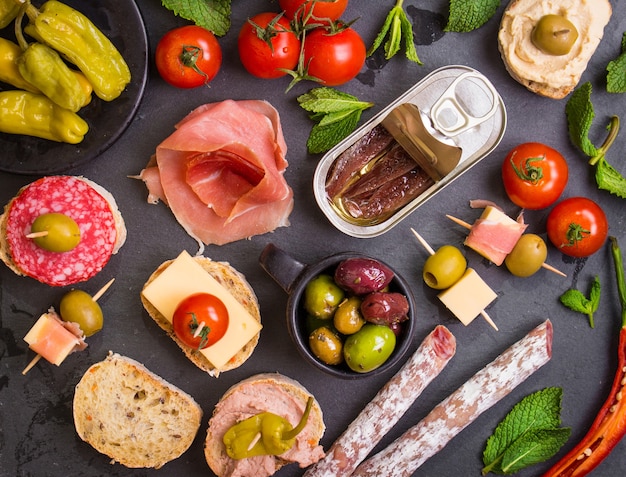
column 122, row 23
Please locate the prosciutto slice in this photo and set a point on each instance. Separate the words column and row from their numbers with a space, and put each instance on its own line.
column 222, row 172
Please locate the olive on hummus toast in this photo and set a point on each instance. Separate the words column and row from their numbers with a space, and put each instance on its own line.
column 549, row 70
column 132, row 415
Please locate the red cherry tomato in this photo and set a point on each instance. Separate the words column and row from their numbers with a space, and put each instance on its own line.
column 188, row 56
column 577, row 227
column 534, row 175
column 255, row 52
column 200, row 309
column 334, row 58
column 325, row 9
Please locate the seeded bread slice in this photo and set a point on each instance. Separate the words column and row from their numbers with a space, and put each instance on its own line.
column 238, row 286
column 132, row 415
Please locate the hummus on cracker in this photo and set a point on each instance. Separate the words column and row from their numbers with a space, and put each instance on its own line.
column 554, row 76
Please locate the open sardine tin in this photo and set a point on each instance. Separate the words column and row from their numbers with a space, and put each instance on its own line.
column 446, row 124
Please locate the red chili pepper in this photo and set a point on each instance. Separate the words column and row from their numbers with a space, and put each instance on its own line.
column 609, row 426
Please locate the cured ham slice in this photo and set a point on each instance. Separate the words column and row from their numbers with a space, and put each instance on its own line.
column 221, row 172
column 494, row 235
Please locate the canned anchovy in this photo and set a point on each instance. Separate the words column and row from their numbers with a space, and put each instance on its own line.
column 408, row 152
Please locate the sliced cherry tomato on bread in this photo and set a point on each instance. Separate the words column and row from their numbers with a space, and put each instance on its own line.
column 200, row 320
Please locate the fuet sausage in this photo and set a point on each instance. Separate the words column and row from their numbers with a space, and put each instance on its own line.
column 403, row 456
column 388, row 406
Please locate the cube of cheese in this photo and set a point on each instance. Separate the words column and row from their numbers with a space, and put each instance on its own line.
column 468, row 297
column 184, row 277
column 494, row 235
column 49, row 338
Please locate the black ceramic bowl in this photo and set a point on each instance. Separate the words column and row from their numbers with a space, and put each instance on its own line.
column 293, row 277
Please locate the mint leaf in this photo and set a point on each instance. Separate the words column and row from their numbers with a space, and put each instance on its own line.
column 214, row 15
column 608, row 178
column 336, row 114
column 616, row 71
column 514, row 440
column 580, row 115
column 577, row 301
column 532, row 448
column 468, row 15
column 324, row 137
column 397, row 29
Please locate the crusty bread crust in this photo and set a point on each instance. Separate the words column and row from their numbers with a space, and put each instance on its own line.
column 132, row 415
column 214, row 450
column 5, row 251
column 542, row 88
column 237, row 285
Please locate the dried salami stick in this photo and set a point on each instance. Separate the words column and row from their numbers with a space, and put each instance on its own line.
column 388, row 406
column 403, row 456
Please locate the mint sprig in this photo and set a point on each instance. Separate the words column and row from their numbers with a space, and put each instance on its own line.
column 616, row 71
column 396, row 29
column 469, row 15
column 575, row 300
column 213, row 15
column 580, row 115
column 529, row 434
column 336, row 115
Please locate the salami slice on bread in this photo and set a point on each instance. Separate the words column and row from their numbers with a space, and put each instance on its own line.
column 132, row 415
column 92, row 207
column 241, row 290
column 266, row 392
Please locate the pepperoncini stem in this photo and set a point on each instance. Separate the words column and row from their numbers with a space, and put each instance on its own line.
column 301, row 425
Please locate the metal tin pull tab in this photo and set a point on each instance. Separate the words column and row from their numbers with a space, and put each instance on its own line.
column 459, row 109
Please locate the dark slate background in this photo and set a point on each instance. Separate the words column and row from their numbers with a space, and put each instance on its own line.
column 37, row 437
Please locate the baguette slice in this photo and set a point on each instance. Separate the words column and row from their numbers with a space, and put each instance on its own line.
column 238, row 286
column 257, row 394
column 549, row 75
column 132, row 415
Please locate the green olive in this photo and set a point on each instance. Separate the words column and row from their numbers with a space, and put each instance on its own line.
column 554, row 35
column 62, row 232
column 527, row 256
column 348, row 318
column 444, row 268
column 322, row 296
column 326, row 345
column 79, row 307
column 369, row 348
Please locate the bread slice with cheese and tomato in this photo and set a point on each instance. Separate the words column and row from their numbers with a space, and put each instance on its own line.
column 177, row 279
column 132, row 415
